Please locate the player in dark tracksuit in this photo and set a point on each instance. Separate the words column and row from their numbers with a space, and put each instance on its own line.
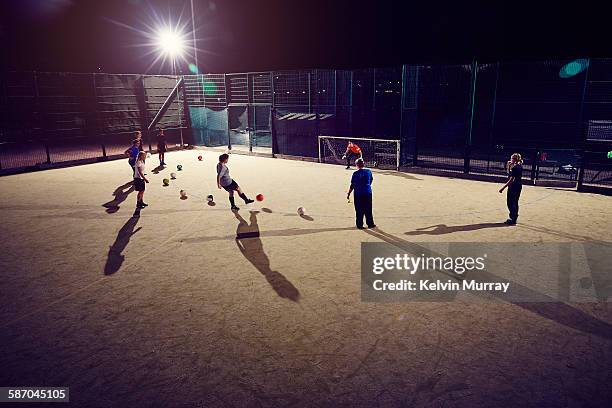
column 514, row 185
column 361, row 184
column 161, row 147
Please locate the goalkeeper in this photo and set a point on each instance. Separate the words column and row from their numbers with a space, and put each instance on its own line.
column 353, row 152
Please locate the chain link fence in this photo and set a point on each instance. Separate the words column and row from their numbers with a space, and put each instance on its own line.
column 55, row 118
column 466, row 118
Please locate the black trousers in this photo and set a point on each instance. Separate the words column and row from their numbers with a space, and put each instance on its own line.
column 351, row 157
column 512, row 199
column 363, row 206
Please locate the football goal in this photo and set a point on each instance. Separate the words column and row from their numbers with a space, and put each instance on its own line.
column 381, row 153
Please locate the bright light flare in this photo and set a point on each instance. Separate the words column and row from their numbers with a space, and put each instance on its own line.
column 170, row 43
column 166, row 39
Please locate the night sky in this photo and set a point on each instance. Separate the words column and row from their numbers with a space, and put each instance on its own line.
column 252, row 35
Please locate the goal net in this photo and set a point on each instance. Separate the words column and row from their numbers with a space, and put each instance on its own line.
column 381, row 153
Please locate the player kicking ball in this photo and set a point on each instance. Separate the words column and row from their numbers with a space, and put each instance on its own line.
column 353, row 152
column 224, row 180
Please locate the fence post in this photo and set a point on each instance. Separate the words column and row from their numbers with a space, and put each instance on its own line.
column 492, row 119
column 4, row 94
column 37, row 103
column 251, row 119
column 309, row 97
column 180, row 119
column 582, row 128
column 415, row 158
column 187, row 113
column 583, row 163
column 272, row 86
column 351, row 103
column 317, row 102
column 95, row 115
column 143, row 112
column 273, row 130
column 401, row 124
column 468, row 144
column 336, row 120
column 227, row 116
column 535, row 164
column 373, row 122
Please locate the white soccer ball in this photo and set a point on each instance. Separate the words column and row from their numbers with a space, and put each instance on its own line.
column 173, row 175
column 209, row 198
column 301, row 211
column 183, row 193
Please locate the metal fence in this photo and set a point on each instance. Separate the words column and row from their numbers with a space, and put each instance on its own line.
column 52, row 118
column 454, row 118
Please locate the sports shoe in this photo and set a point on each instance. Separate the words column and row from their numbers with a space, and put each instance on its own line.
column 510, row 222
column 372, row 226
column 249, row 201
column 144, row 204
column 348, row 167
column 234, row 208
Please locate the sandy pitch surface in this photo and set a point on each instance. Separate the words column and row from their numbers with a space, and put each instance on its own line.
column 168, row 309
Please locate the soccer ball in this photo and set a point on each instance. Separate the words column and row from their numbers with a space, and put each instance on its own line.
column 183, row 194
column 259, row 197
column 166, row 182
column 179, row 167
column 209, row 198
column 301, row 211
column 172, row 176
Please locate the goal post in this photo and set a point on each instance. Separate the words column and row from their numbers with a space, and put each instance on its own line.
column 380, row 153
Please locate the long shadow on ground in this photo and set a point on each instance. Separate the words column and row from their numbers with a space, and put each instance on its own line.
column 400, row 174
column 157, row 169
column 289, row 232
column 250, row 245
column 115, row 257
column 550, row 308
column 120, row 194
column 441, row 229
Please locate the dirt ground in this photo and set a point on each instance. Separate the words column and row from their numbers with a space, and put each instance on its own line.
column 166, row 308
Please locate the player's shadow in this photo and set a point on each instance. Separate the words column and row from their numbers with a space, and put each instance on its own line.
column 406, row 176
column 121, row 193
column 250, row 245
column 306, row 217
column 289, row 232
column 115, row 257
column 562, row 234
column 548, row 307
column 157, row 169
column 441, row 229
